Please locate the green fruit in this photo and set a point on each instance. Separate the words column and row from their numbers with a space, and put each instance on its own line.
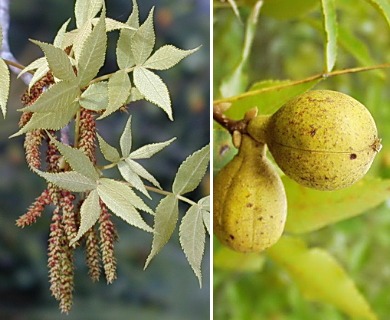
column 322, row 139
column 250, row 204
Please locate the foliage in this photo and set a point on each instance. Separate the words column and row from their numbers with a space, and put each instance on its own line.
column 66, row 88
column 286, row 51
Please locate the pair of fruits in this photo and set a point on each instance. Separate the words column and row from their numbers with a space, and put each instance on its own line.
column 322, row 139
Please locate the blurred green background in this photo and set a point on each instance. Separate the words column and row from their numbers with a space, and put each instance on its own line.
column 289, row 44
column 168, row 289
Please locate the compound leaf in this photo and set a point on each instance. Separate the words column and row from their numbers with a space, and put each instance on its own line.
column 58, row 61
column 191, row 171
column 119, row 198
column 192, row 238
column 149, row 150
column 57, row 98
column 89, row 214
column 95, row 98
column 165, row 220
column 93, row 53
column 60, row 35
column 118, row 91
column 143, row 40
column 4, row 85
column 108, row 151
column 204, row 203
column 126, row 139
column 124, row 54
column 77, row 160
column 153, row 89
column 166, row 57
column 70, row 180
column 131, row 177
column 142, row 172
column 86, row 10
column 50, row 120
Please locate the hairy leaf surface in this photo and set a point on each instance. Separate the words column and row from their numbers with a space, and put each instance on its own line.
column 165, row 220
column 153, row 88
column 166, row 57
column 149, row 150
column 192, row 239
column 108, row 151
column 89, row 214
column 143, row 40
column 124, row 54
column 57, row 98
column 95, row 98
column 131, row 177
column 70, row 180
column 77, row 160
column 58, row 61
column 86, row 10
column 4, row 85
column 125, row 140
column 122, row 201
column 50, row 120
column 93, row 53
column 142, row 172
column 191, row 171
column 118, row 91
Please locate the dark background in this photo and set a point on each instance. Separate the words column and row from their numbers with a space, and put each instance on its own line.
column 168, row 289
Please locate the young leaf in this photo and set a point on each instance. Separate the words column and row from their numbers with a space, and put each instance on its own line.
column 135, row 95
column 39, row 73
column 192, row 238
column 112, row 25
column 149, row 150
column 320, row 277
column 86, row 9
column 330, row 22
column 70, row 180
column 58, row 61
column 205, row 203
column 124, row 55
column 118, row 91
column 95, row 98
column 131, row 177
column 108, row 151
column 165, row 220
column 153, row 88
column 36, row 64
column 191, row 171
column 143, row 40
column 119, row 199
column 308, row 209
column 4, row 85
column 56, row 99
column 50, row 120
column 166, row 57
column 126, row 139
column 60, row 35
column 93, row 53
column 77, row 38
column 77, row 160
column 89, row 214
column 141, row 171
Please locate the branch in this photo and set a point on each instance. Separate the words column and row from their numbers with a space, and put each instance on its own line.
column 5, row 52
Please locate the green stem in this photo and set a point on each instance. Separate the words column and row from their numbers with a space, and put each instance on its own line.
column 167, row 193
column 108, row 76
column 294, row 83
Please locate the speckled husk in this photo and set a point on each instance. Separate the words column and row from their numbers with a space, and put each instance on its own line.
column 250, row 205
column 323, row 139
